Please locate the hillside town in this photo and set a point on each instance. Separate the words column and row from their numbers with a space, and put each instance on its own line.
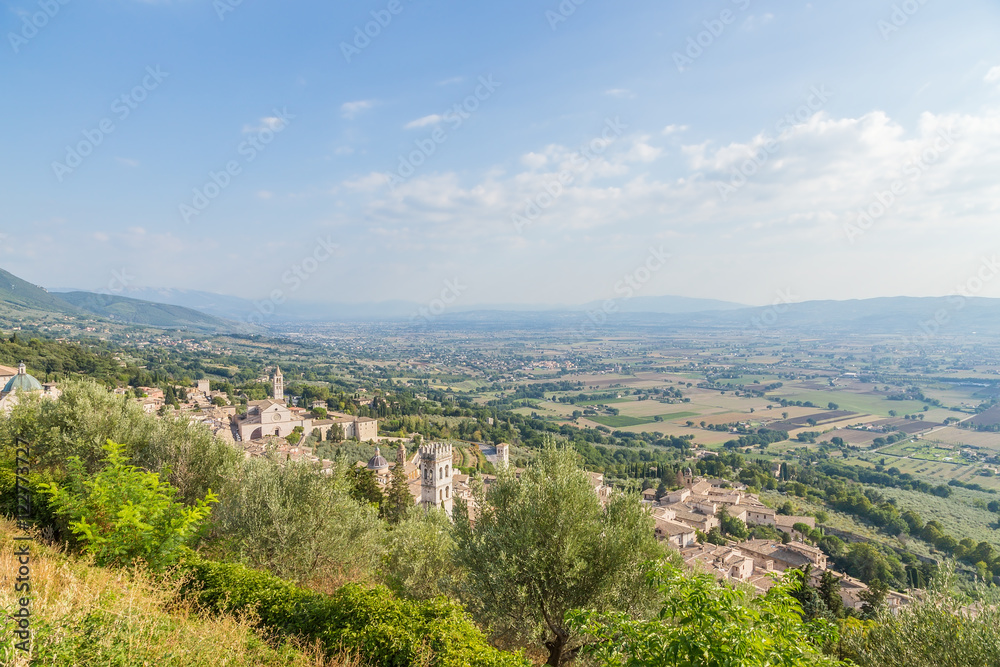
column 682, row 516
column 695, row 508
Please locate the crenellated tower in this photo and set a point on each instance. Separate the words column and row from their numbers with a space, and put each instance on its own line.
column 503, row 455
column 435, row 476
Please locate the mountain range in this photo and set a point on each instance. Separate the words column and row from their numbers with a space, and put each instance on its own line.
column 21, row 300
column 914, row 318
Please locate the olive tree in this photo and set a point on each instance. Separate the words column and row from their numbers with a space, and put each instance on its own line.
column 297, row 523
column 544, row 544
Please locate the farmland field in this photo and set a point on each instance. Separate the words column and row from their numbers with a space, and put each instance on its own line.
column 926, row 451
column 621, row 421
column 957, row 436
column 867, row 403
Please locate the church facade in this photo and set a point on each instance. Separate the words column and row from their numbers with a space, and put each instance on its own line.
column 273, row 417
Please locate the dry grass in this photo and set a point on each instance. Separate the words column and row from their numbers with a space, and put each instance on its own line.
column 87, row 615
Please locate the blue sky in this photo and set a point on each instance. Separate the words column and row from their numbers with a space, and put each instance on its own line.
column 605, row 134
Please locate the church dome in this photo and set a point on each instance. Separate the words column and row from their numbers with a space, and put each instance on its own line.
column 378, row 461
column 22, row 381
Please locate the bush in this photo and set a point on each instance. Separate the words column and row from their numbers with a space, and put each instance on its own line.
column 371, row 622
column 123, row 514
column 86, row 416
column 940, row 630
column 704, row 624
column 420, row 556
column 298, row 524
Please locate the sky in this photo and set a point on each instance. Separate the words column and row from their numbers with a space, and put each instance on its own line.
column 514, row 152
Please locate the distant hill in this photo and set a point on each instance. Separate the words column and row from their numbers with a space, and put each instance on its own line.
column 912, row 317
column 144, row 313
column 19, row 295
column 668, row 304
column 915, row 320
column 219, row 305
column 291, row 311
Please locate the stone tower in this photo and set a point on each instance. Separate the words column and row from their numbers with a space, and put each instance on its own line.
column 435, row 476
column 503, row 455
column 279, row 385
column 401, row 454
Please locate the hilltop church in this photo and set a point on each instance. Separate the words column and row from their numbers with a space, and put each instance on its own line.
column 273, row 417
column 16, row 382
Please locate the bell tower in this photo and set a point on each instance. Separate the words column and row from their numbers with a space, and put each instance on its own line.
column 279, row 385
column 435, row 476
column 503, row 455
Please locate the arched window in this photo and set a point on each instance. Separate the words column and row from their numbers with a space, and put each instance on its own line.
column 447, row 492
column 440, row 473
column 440, row 495
column 447, row 471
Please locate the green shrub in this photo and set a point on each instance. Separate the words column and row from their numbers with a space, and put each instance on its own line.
column 122, row 513
column 298, row 524
column 704, row 624
column 381, row 629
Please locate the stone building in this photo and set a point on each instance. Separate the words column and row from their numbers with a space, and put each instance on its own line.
column 21, row 383
column 273, row 417
column 436, row 472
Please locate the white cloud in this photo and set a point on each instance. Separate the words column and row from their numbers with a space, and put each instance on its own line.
column 350, row 110
column 753, row 21
column 620, row 92
column 821, row 173
column 674, row 129
column 452, row 81
column 642, row 151
column 128, row 162
column 534, row 160
column 432, row 119
column 368, row 183
column 993, row 76
column 264, row 194
column 272, row 123
column 343, row 150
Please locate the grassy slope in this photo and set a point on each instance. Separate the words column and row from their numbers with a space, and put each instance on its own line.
column 22, row 295
column 87, row 615
column 134, row 311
